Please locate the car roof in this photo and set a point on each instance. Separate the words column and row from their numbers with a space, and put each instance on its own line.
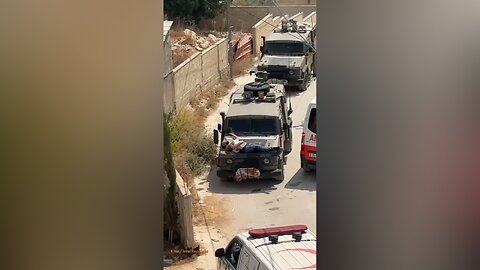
column 255, row 108
column 286, row 254
column 287, row 36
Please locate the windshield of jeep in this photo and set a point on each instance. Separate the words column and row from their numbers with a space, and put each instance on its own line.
column 253, row 126
column 284, row 48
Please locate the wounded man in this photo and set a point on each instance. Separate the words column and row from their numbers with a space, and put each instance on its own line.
column 233, row 144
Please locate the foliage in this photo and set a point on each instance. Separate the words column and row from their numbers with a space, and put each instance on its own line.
column 192, row 146
column 193, row 9
column 170, row 209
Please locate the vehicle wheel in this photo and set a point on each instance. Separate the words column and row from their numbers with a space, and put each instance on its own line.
column 305, row 167
column 303, row 86
column 280, row 178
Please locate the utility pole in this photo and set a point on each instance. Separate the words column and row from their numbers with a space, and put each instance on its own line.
column 229, row 30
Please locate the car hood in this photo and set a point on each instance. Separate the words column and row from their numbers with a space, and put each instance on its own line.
column 288, row 61
column 268, row 141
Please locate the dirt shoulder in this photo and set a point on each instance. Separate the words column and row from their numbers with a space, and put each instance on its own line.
column 211, row 219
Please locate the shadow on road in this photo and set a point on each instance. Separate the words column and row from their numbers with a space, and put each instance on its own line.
column 215, row 185
column 302, row 181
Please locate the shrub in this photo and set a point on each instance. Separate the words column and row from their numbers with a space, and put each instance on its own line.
column 193, row 148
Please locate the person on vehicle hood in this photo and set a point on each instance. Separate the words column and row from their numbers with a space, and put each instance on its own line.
column 233, row 144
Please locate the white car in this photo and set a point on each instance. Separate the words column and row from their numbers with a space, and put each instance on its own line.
column 275, row 248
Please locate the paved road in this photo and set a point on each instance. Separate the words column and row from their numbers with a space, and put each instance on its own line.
column 253, row 204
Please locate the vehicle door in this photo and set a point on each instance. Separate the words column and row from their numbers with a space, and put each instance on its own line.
column 248, row 261
column 287, row 133
column 311, row 133
column 230, row 261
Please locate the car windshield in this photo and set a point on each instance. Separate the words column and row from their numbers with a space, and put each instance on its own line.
column 284, row 48
column 253, row 126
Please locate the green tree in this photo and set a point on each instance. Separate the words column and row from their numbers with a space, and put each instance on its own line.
column 193, row 9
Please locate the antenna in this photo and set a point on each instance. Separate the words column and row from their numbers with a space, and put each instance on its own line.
column 285, row 25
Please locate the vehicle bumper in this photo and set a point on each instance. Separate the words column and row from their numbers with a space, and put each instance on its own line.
column 263, row 174
column 310, row 164
column 295, row 82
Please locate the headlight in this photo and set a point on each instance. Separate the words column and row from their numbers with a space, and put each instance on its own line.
column 229, row 161
column 266, row 161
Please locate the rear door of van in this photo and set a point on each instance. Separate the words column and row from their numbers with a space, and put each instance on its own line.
column 310, row 129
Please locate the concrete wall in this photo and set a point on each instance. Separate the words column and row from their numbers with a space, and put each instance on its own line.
column 196, row 74
column 262, row 28
column 311, row 18
column 185, row 215
column 167, row 56
column 245, row 17
column 168, row 93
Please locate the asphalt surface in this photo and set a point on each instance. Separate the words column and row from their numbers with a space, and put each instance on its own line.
column 264, row 203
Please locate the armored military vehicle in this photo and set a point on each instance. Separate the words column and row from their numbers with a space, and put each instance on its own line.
column 257, row 114
column 288, row 53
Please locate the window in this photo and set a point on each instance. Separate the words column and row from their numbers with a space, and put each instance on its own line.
column 263, row 126
column 232, row 254
column 312, row 120
column 284, row 48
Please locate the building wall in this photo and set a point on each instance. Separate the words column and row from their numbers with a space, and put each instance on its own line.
column 168, row 87
column 200, row 72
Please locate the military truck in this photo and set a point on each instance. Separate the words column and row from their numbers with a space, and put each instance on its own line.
column 288, row 53
column 257, row 114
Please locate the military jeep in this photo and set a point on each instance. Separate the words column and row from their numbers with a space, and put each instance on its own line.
column 257, row 114
column 289, row 54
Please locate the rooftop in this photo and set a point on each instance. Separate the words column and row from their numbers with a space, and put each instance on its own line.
column 288, row 36
column 255, row 108
column 286, row 254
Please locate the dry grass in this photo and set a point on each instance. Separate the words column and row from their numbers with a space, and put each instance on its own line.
column 208, row 100
column 211, row 212
column 192, row 146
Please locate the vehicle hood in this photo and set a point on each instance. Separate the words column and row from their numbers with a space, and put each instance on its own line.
column 288, row 61
column 269, row 141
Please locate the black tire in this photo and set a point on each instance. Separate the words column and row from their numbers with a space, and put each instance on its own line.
column 280, row 178
column 303, row 87
column 305, row 167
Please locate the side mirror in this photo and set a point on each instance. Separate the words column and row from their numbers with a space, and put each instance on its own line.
column 219, row 127
column 251, row 72
column 290, row 111
column 222, row 114
column 261, row 49
column 285, row 126
column 215, row 137
column 220, row 252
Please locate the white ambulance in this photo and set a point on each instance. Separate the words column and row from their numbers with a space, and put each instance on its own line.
column 308, row 148
column 275, row 248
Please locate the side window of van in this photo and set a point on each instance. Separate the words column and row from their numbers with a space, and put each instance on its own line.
column 232, row 254
column 312, row 120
